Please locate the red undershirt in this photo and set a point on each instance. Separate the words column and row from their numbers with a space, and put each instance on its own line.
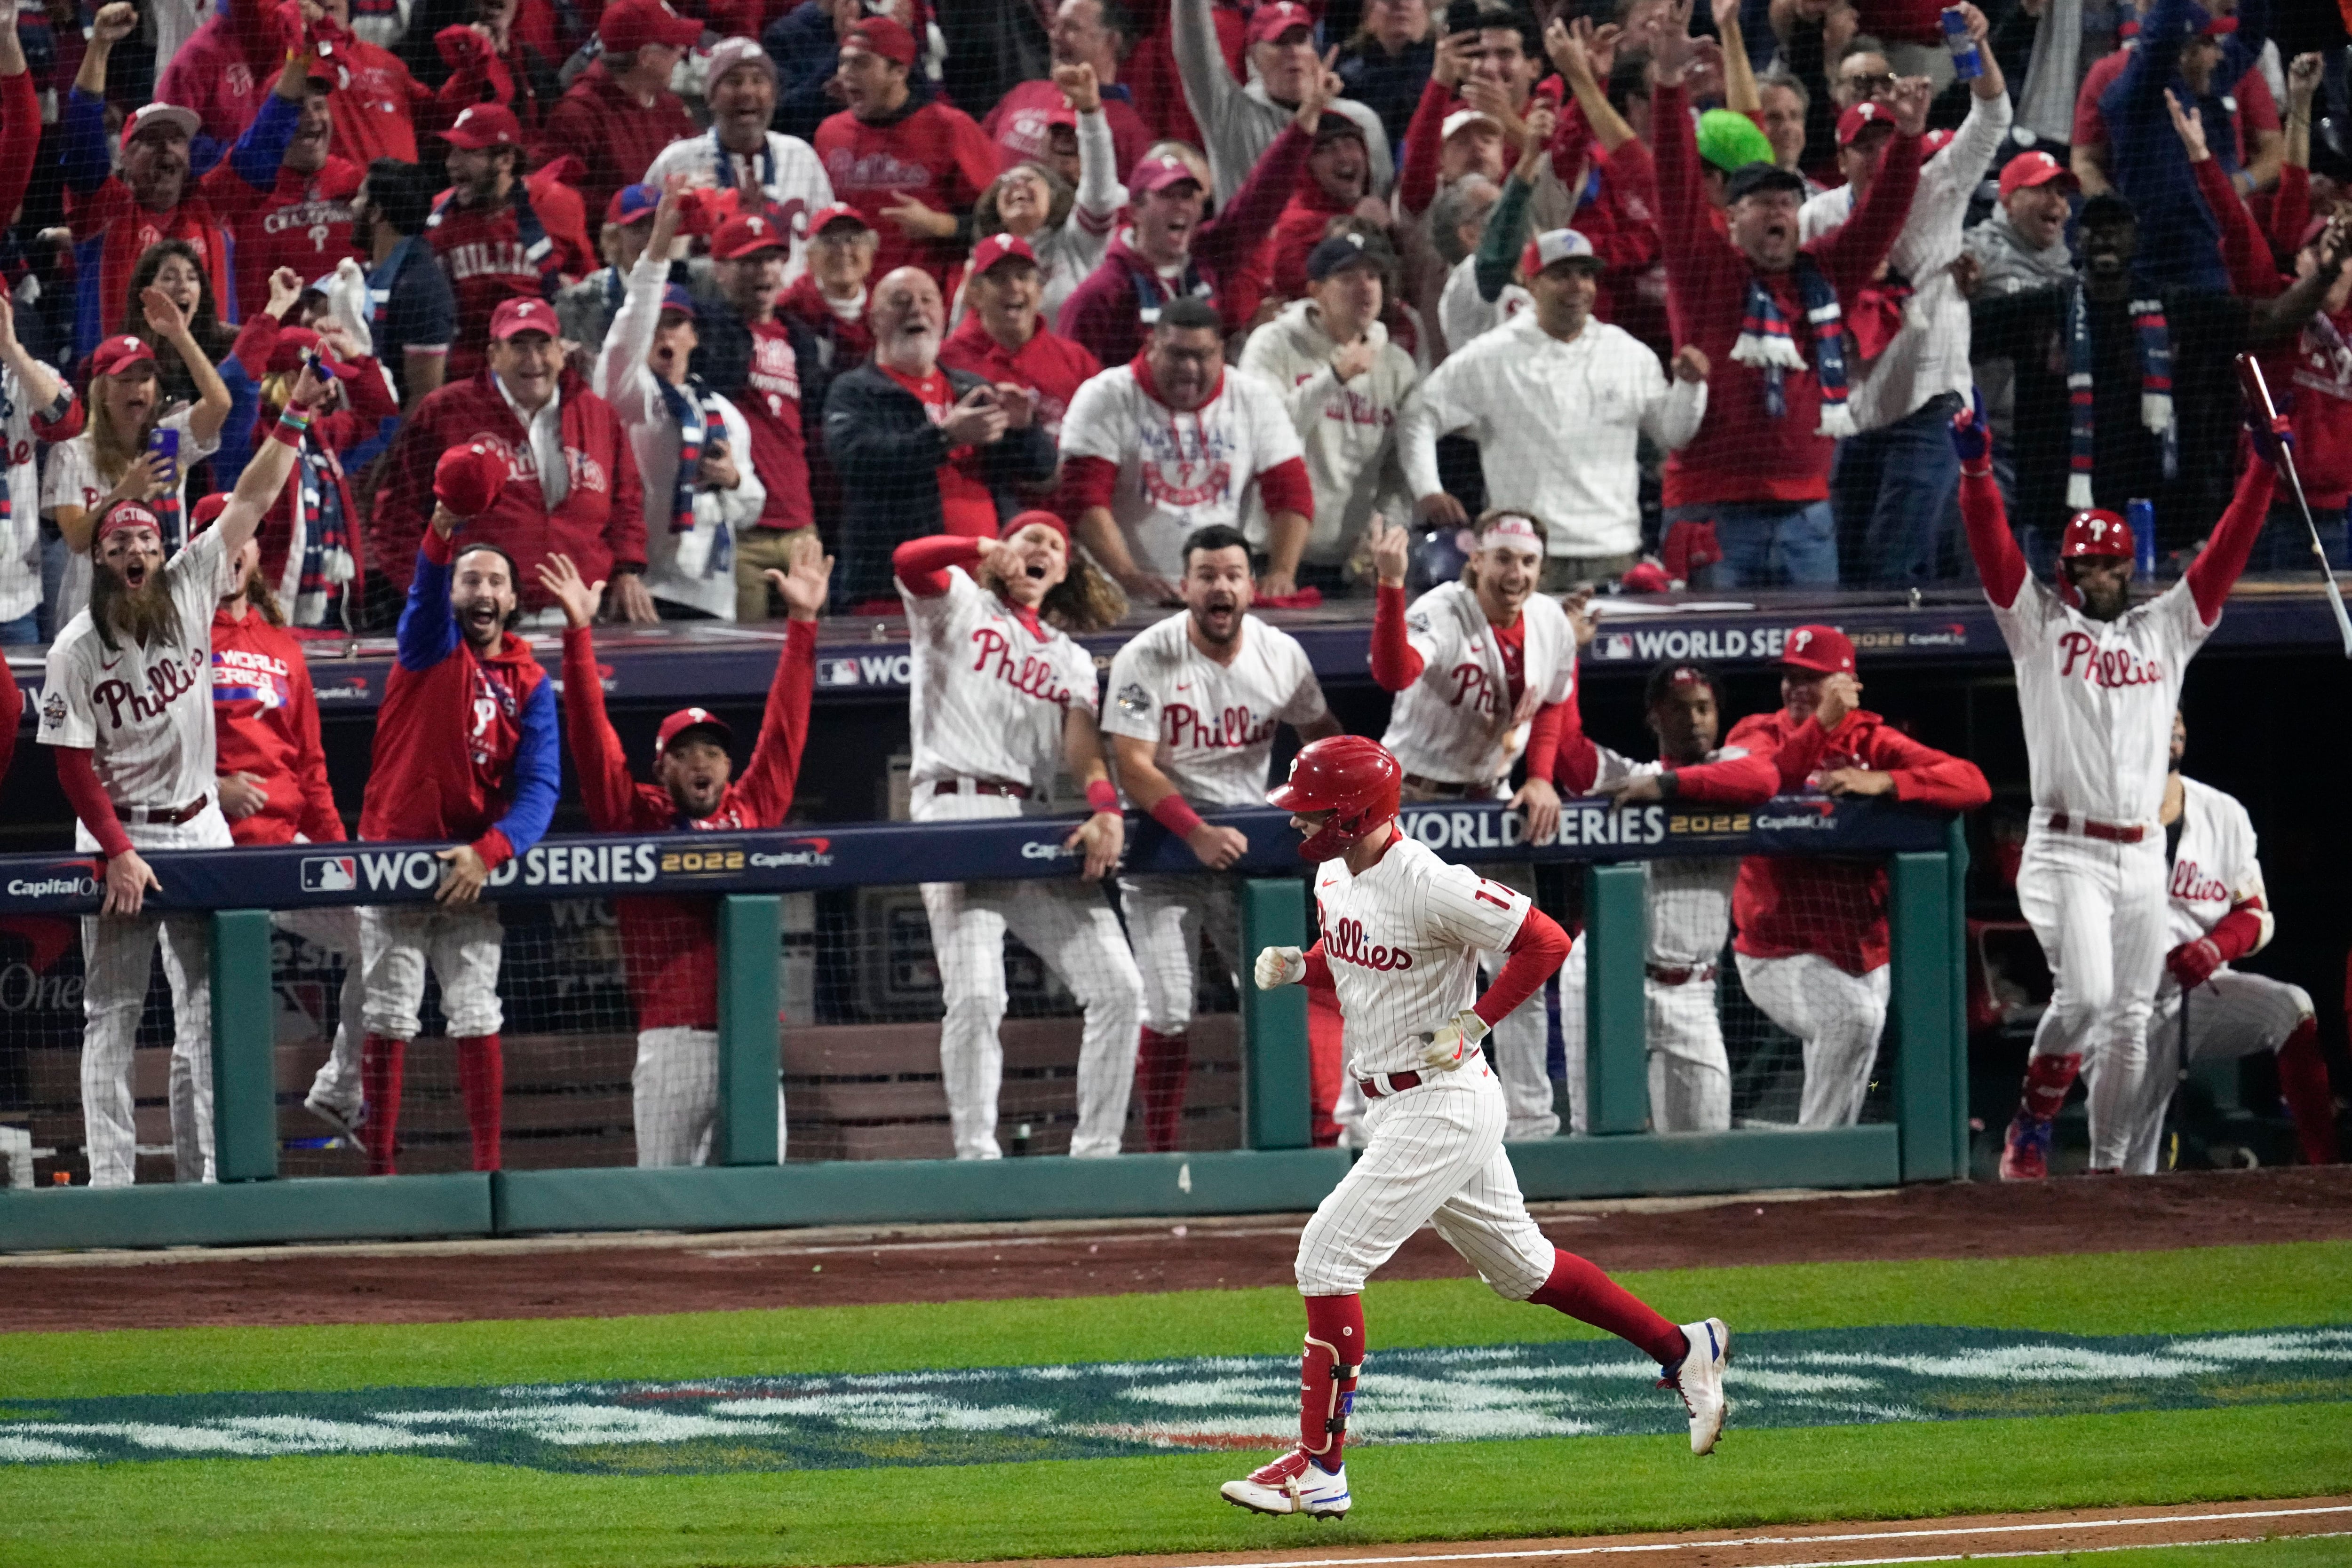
column 966, row 508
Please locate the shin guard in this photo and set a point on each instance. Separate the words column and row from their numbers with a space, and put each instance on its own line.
column 2302, row 1085
column 1333, row 1358
column 381, row 1061
column 482, row 1079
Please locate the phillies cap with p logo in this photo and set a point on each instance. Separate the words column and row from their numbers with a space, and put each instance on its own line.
column 1824, row 650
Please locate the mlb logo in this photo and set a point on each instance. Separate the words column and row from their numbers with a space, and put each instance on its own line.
column 330, row 873
column 836, row 671
column 1614, row 645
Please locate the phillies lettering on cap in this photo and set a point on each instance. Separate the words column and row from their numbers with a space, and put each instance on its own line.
column 518, row 316
column 1822, row 649
column 1268, row 24
column 1161, row 173
column 2095, row 532
column 484, row 125
column 1860, row 117
column 1557, row 246
column 129, row 514
column 685, row 719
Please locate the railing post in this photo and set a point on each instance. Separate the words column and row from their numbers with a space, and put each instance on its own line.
column 1276, row 1087
column 751, row 944
column 1924, row 1008
column 245, row 1048
column 1956, row 852
column 1616, row 1026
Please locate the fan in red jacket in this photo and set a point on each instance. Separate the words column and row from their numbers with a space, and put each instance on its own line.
column 671, row 945
column 620, row 114
column 1812, row 944
column 498, row 236
column 1003, row 338
column 303, row 222
column 572, row 484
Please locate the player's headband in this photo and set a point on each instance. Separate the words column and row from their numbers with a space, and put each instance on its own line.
column 1513, row 529
column 128, row 514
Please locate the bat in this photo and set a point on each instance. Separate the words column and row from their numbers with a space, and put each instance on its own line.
column 2259, row 404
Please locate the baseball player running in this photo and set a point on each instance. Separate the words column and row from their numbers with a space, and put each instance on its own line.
column 465, row 749
column 1484, row 671
column 1401, row 935
column 671, row 945
column 2099, row 678
column 1193, row 706
column 2217, row 911
column 126, row 705
column 1003, row 699
column 1812, row 943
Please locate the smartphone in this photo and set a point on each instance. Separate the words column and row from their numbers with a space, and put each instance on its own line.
column 164, row 444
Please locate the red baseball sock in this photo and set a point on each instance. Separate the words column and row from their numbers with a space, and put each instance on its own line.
column 2047, row 1080
column 1164, row 1063
column 2303, row 1083
column 1326, row 1375
column 1580, row 1289
column 380, row 1065
column 482, row 1079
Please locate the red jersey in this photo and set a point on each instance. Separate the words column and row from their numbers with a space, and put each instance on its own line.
column 770, row 398
column 671, row 945
column 376, row 104
column 492, row 253
column 1788, row 904
column 266, row 723
column 125, row 231
column 1048, row 365
column 220, row 70
column 615, row 136
column 305, row 223
column 967, row 507
column 928, row 150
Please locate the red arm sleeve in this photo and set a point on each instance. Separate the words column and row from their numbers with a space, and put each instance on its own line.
column 79, row 777
column 1999, row 564
column 1925, row 776
column 1423, row 150
column 775, row 767
column 1543, row 737
column 1571, row 141
column 2290, row 208
column 1227, row 240
column 1536, row 953
column 1747, row 781
column 2217, row 567
column 20, row 138
column 1086, row 482
column 1850, row 256
column 608, row 791
column 922, row 564
column 66, row 427
column 1286, row 487
column 321, row 823
column 256, row 341
column 2236, row 932
column 1396, row 665
column 1795, row 756
column 12, row 712
column 2244, row 250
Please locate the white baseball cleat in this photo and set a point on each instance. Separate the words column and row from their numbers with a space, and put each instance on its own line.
column 1699, row 1380
column 345, row 1119
column 1294, row 1483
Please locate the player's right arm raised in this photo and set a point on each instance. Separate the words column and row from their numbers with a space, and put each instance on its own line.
column 265, row 473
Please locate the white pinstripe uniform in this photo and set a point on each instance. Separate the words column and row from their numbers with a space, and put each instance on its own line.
column 988, row 704
column 2214, row 871
column 1214, row 728
column 2097, row 698
column 1457, row 724
column 1403, row 941
column 1689, row 903
column 146, row 716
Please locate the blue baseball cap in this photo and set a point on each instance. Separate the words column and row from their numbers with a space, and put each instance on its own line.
column 675, row 297
column 631, row 203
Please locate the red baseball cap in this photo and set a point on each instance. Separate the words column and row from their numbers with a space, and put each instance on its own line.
column 1935, row 141
column 628, row 26
column 748, row 234
column 884, row 38
column 999, row 247
column 1155, row 174
column 2095, row 532
column 1860, row 116
column 1824, row 650
column 207, row 512
column 137, row 515
column 484, row 125
column 687, row 719
column 293, row 342
column 115, row 355
column 2033, row 168
column 514, row 316
column 1268, row 22
column 468, row 479
column 839, row 213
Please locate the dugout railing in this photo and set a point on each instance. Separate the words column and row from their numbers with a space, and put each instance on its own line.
column 749, row 875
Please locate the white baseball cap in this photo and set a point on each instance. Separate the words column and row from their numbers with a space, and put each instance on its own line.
column 1462, row 118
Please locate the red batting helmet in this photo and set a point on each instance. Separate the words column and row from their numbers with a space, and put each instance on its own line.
column 2095, row 532
column 1349, row 775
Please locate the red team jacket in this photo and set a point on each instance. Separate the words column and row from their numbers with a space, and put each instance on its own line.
column 1785, row 904
column 617, row 137
column 1048, row 363
column 266, row 723
column 671, row 945
column 491, row 260
column 305, row 223
column 929, row 151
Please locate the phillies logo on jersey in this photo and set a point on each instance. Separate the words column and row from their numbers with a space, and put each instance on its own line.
column 775, row 370
column 1177, row 475
column 1346, row 943
column 1229, row 731
column 874, row 172
column 2192, row 885
column 168, row 680
column 317, row 212
column 490, row 258
column 2111, row 668
column 1473, row 687
column 587, row 473
column 1028, row 674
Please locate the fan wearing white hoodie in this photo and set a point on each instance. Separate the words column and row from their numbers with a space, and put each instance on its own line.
column 1342, row 381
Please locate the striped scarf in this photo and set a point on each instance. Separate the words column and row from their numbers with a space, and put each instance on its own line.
column 2154, row 337
column 1765, row 343
column 699, row 426
column 322, row 589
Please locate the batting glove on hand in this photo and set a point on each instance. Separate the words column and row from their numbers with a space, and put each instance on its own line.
column 1280, row 966
column 1455, row 1043
column 2193, row 963
column 1972, row 437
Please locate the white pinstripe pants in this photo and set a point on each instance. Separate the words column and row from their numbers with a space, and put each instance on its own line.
column 1166, row 914
column 1837, row 1016
column 1435, row 1157
column 1689, row 1073
column 2230, row 1015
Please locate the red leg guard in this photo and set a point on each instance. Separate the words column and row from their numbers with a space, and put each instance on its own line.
column 381, row 1061
column 2303, row 1083
column 1163, row 1066
column 1580, row 1289
column 482, row 1079
column 2047, row 1080
column 1326, row 1375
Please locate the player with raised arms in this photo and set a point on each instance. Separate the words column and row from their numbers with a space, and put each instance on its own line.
column 671, row 945
column 1003, row 700
column 1402, row 932
column 126, row 707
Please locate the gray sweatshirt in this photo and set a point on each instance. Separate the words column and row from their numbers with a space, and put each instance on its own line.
column 1238, row 121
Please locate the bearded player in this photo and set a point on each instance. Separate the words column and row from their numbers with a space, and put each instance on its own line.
column 466, row 749
column 671, row 945
column 2099, row 678
column 1193, row 706
column 126, row 705
column 1402, row 932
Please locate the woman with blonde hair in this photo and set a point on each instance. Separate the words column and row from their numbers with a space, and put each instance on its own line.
column 1069, row 226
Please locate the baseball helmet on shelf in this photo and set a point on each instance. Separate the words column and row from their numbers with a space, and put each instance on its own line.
column 1349, row 775
column 2095, row 531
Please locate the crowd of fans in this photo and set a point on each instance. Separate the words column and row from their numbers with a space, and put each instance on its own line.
column 1699, row 291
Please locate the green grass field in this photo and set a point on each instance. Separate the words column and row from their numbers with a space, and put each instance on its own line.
column 418, row 1510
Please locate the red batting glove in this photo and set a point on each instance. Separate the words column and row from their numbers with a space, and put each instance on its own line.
column 2193, row 963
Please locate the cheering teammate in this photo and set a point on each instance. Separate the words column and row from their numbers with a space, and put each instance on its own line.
column 465, row 749
column 670, row 945
column 1001, row 699
column 2098, row 679
column 1401, row 936
column 1194, row 702
column 127, row 706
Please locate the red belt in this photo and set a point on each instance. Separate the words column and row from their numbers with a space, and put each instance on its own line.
column 2061, row 823
column 1667, row 977
column 980, row 786
column 1448, row 789
column 1398, row 1084
column 172, row 818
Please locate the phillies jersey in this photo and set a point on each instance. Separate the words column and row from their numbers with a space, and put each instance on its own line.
column 1459, row 722
column 770, row 398
column 1689, row 901
column 1403, row 941
column 1178, row 472
column 266, row 723
column 304, row 222
column 1212, row 723
column 2097, row 698
column 489, row 261
column 929, row 151
column 145, row 714
column 2214, row 871
column 990, row 688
